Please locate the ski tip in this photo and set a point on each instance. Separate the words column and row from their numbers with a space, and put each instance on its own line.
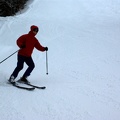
column 30, row 89
column 43, row 88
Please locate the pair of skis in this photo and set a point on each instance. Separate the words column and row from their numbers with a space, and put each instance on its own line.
column 32, row 87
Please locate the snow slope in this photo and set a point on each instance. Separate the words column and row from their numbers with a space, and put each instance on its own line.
column 84, row 61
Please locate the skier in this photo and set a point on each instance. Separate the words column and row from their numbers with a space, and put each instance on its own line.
column 26, row 43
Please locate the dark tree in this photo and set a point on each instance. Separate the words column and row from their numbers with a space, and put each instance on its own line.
column 10, row 7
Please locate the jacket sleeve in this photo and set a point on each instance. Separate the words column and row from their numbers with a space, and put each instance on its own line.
column 39, row 47
column 21, row 41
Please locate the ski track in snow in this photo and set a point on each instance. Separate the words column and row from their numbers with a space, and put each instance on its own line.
column 83, row 81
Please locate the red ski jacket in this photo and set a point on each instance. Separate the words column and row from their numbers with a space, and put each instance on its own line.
column 29, row 41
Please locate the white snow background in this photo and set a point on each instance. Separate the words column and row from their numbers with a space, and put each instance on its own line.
column 83, row 37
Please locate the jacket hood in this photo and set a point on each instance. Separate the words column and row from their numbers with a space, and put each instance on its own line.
column 31, row 30
column 33, row 27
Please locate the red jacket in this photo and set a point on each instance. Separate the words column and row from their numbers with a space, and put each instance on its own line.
column 29, row 41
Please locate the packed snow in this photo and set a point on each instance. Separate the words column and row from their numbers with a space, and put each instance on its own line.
column 83, row 83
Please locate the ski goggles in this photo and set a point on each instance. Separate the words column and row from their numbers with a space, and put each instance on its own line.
column 35, row 30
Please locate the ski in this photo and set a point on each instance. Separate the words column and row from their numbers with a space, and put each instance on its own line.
column 25, row 88
column 39, row 87
column 29, row 84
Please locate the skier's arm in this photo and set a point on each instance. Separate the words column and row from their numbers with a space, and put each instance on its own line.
column 21, row 41
column 39, row 47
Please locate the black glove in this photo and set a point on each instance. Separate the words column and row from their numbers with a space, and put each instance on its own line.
column 46, row 48
column 22, row 46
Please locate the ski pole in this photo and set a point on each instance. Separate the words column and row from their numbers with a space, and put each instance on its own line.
column 9, row 56
column 46, row 63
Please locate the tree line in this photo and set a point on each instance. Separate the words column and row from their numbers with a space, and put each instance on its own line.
column 11, row 7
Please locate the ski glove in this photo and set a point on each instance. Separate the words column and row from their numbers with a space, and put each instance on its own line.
column 46, row 48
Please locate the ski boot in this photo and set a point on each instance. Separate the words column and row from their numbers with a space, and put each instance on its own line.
column 12, row 79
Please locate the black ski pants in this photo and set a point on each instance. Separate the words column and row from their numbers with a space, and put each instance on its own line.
column 20, row 64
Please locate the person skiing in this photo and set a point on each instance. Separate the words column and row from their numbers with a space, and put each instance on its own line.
column 26, row 43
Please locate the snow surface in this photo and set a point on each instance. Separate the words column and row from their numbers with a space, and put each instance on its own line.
column 83, row 83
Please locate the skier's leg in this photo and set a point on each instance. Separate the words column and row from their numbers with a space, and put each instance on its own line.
column 31, row 65
column 19, row 67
